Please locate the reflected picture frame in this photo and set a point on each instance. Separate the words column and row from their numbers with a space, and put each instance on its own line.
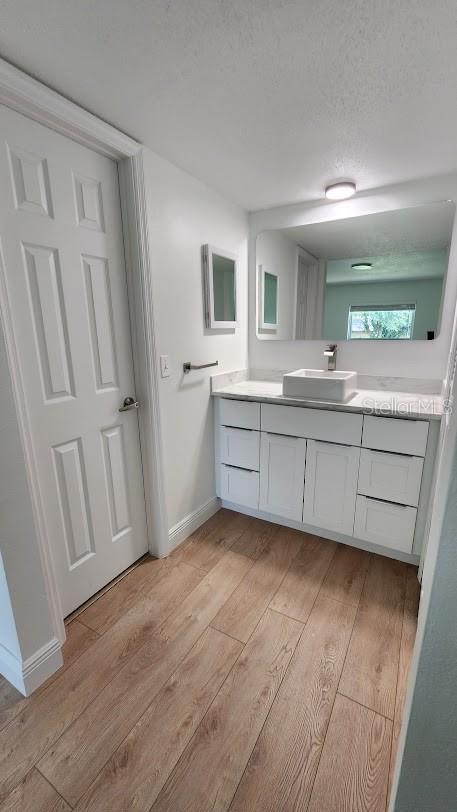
column 269, row 297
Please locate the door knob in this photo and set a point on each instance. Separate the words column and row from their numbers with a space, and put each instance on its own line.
column 129, row 403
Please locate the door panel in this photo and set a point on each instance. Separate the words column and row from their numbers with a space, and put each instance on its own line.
column 61, row 235
column 331, row 486
column 282, row 474
column 100, row 310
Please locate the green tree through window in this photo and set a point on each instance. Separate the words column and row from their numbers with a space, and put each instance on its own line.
column 375, row 322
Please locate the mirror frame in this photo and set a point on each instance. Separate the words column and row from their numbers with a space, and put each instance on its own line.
column 285, row 218
column 208, row 251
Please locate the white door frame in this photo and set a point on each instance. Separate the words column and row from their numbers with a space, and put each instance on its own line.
column 33, row 99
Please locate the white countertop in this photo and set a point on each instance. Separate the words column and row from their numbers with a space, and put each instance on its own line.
column 365, row 401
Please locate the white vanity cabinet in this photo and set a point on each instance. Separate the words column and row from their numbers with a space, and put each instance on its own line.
column 355, row 478
column 331, row 486
column 282, row 475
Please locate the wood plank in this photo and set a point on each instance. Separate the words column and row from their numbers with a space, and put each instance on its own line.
column 255, row 539
column 298, row 591
column 212, row 540
column 243, row 611
column 131, row 779
column 201, row 532
column 346, row 576
column 371, row 667
column 281, row 771
column 73, row 762
column 207, row 774
column 34, row 794
column 115, row 602
column 79, row 638
column 47, row 715
column 353, row 769
column 408, row 638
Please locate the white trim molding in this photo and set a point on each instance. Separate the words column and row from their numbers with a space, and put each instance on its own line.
column 27, row 675
column 139, row 276
column 185, row 527
column 33, row 99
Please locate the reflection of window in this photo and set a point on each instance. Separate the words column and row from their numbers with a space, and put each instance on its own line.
column 381, row 321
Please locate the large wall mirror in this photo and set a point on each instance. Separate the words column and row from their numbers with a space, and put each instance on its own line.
column 377, row 276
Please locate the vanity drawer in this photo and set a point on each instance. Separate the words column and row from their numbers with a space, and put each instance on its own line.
column 314, row 424
column 239, row 413
column 394, row 477
column 394, row 434
column 240, row 447
column 385, row 524
column 240, row 486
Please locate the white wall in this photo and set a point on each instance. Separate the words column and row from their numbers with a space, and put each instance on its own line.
column 183, row 215
column 425, row 776
column 279, row 255
column 421, row 359
column 25, row 623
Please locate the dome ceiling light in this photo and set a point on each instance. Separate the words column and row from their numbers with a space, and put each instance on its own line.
column 362, row 266
column 340, row 191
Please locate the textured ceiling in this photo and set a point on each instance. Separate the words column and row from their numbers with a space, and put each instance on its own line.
column 393, row 268
column 418, row 228
column 403, row 244
column 265, row 100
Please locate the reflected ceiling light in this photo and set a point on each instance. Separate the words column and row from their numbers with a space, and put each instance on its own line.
column 362, row 266
column 340, row 191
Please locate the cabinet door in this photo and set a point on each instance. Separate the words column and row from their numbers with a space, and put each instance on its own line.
column 331, row 486
column 282, row 474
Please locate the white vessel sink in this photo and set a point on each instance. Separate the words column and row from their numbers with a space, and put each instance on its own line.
column 318, row 384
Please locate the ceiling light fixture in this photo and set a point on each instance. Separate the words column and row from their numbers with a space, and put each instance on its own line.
column 340, row 191
column 362, row 266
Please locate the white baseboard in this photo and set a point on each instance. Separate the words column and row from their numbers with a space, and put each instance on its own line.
column 180, row 531
column 27, row 675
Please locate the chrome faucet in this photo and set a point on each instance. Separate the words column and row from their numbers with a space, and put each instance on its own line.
column 330, row 353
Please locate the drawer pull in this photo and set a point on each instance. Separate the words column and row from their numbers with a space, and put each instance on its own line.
column 389, row 453
column 276, row 434
column 385, row 501
column 237, row 428
column 239, row 468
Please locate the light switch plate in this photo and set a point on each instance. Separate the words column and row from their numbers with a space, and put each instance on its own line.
column 165, row 366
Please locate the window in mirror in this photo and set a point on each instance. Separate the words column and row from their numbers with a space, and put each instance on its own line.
column 269, row 299
column 220, row 280
column 381, row 321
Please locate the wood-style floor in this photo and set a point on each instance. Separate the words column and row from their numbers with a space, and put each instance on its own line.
column 257, row 668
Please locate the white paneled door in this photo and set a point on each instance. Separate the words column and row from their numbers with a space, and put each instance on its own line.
column 63, row 255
